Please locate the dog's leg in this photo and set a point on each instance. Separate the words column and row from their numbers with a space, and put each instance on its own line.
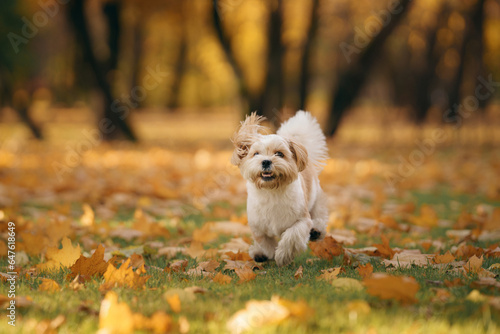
column 319, row 216
column 263, row 248
column 293, row 241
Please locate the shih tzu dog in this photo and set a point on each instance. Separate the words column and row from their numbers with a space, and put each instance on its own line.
column 285, row 200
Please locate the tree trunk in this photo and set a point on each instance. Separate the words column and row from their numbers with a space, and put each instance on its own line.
column 305, row 69
column 352, row 80
column 80, row 25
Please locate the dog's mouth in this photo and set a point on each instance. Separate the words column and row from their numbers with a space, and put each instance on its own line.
column 267, row 176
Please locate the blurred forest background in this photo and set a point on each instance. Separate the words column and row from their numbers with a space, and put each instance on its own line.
column 180, row 64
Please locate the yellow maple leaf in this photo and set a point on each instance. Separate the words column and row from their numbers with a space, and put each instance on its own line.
column 89, row 267
column 49, row 285
column 386, row 286
column 222, row 279
column 61, row 258
column 125, row 276
column 329, row 274
column 115, row 317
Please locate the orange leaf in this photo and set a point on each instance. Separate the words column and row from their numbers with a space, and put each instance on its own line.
column 176, row 266
column 245, row 274
column 240, row 256
column 49, row 285
column 299, row 273
column 326, row 248
column 175, row 302
column 124, row 276
column 456, row 282
column 115, row 317
column 386, row 286
column 89, row 267
column 384, row 249
column 446, row 258
column 365, row 270
column 222, row 279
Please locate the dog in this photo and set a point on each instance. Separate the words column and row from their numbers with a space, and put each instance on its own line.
column 285, row 200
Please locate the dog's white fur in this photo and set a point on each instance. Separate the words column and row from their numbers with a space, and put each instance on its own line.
column 285, row 200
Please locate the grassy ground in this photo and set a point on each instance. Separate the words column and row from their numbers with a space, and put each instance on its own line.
column 116, row 180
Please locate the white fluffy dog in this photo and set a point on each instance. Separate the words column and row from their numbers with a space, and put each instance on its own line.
column 285, row 199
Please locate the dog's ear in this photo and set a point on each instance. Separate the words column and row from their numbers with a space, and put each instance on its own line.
column 299, row 154
column 246, row 135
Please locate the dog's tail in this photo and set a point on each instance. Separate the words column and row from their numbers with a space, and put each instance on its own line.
column 304, row 129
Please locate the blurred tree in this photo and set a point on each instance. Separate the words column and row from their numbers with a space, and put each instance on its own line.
column 13, row 65
column 351, row 80
column 102, row 69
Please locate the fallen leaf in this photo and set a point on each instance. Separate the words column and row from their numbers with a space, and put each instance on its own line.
column 49, row 285
column 125, row 276
column 474, row 265
column 441, row 295
column 176, row 266
column 326, row 248
column 61, row 258
column 222, row 279
column 114, row 316
column 455, row 282
column 239, row 256
column 257, row 314
column 446, row 258
column 245, row 274
column 347, row 284
column 383, row 249
column 89, row 267
column 408, row 259
column 298, row 309
column 494, row 266
column 358, row 307
column 329, row 274
column 365, row 270
column 87, row 219
column 299, row 273
column 386, row 286
column 136, row 260
column 174, row 302
column 427, row 218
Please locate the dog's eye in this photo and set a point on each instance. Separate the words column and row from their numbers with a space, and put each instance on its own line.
column 279, row 154
column 256, row 153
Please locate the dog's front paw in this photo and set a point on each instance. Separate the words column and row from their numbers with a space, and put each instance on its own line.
column 283, row 258
column 260, row 258
column 316, row 235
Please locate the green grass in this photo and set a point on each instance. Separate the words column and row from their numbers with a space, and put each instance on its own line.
column 209, row 312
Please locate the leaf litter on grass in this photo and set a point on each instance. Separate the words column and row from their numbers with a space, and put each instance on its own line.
column 157, row 233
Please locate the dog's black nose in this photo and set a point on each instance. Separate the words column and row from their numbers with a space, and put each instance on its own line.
column 266, row 164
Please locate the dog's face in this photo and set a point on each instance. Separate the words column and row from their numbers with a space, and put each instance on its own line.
column 268, row 161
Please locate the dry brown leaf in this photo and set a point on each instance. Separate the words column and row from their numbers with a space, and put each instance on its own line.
column 427, row 218
column 386, row 286
column 222, row 279
column 326, row 248
column 299, row 273
column 136, row 260
column 89, row 267
column 409, row 258
column 455, row 282
column 329, row 274
column 49, row 285
column 383, row 249
column 245, row 274
column 176, row 266
column 474, row 265
column 446, row 258
column 239, row 256
column 365, row 270
column 196, row 250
